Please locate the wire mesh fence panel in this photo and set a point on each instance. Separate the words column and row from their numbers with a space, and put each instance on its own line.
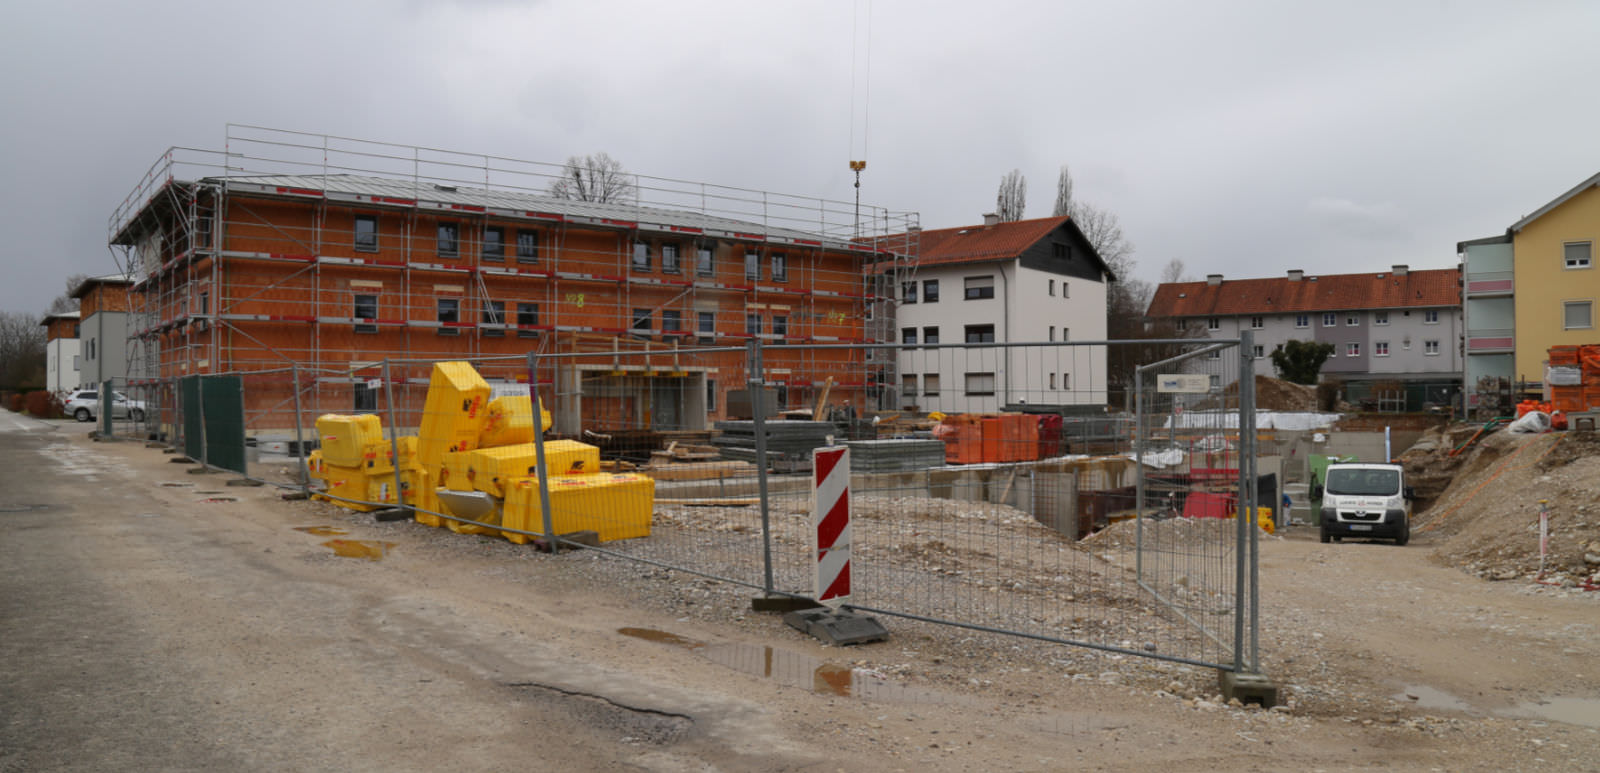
column 1004, row 497
column 1024, row 489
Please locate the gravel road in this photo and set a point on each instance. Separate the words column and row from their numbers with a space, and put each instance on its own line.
column 147, row 629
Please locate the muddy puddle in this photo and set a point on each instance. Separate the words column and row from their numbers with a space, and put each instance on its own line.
column 794, row 669
column 354, row 548
column 1584, row 712
column 175, row 484
column 322, row 531
column 219, row 500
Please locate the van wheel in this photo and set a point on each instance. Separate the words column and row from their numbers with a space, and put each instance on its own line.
column 82, row 414
column 1326, row 538
column 1405, row 536
column 136, row 415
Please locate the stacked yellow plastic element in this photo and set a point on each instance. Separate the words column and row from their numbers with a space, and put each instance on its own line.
column 344, row 439
column 616, row 506
column 510, row 422
column 492, row 469
column 370, row 478
column 453, row 416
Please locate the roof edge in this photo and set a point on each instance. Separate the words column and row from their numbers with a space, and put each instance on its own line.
column 1558, row 201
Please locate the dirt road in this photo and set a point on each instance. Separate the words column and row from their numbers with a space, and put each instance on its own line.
column 146, row 628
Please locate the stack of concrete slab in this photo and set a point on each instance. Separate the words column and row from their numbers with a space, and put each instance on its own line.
column 789, row 443
column 895, row 455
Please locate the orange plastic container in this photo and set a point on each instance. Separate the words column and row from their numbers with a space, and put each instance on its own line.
column 993, row 429
column 1564, row 356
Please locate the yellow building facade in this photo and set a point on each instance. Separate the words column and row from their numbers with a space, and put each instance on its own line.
column 1556, row 277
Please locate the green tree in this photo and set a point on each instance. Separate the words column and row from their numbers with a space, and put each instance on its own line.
column 1301, row 361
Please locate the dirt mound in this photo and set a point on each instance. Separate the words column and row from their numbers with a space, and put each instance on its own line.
column 1488, row 517
column 1274, row 394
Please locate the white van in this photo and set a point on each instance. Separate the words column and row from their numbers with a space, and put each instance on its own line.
column 1365, row 500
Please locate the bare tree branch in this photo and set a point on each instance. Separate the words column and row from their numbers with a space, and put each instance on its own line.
column 1175, row 272
column 1012, row 200
column 65, row 301
column 22, row 351
column 1063, row 193
column 598, row 178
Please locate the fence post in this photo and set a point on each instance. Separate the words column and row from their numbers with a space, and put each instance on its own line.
column 1246, row 377
column 200, row 392
column 299, row 435
column 755, row 382
column 1138, row 467
column 542, row 471
column 1247, row 451
column 394, row 436
column 107, row 406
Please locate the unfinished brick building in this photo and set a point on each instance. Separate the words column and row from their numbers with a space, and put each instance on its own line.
column 330, row 255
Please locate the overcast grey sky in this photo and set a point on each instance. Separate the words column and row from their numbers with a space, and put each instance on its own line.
column 1245, row 138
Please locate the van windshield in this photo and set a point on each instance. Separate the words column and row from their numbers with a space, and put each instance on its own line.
column 1356, row 482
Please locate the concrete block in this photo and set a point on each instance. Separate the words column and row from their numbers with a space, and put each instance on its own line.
column 245, row 482
column 837, row 626
column 1248, row 688
column 784, row 604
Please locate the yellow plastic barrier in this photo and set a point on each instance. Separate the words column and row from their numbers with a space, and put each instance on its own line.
column 490, row 469
column 510, row 422
column 345, row 438
column 616, row 506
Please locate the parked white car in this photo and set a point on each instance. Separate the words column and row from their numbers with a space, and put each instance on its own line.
column 84, row 403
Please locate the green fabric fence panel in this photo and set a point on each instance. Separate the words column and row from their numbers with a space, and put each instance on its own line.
column 213, row 421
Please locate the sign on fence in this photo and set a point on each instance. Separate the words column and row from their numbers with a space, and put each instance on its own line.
column 1183, row 383
column 830, row 523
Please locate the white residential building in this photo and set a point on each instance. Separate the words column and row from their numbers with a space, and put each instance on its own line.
column 1018, row 282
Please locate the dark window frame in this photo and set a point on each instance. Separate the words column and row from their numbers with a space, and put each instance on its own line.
column 527, row 315
column 493, row 250
column 978, row 334
column 492, row 313
column 527, row 246
column 978, row 293
column 640, row 257
column 930, row 291
column 778, row 266
column 356, row 309
column 358, row 242
column 705, row 260
column 643, row 320
column 706, row 326
column 675, row 265
column 452, row 311
column 447, row 240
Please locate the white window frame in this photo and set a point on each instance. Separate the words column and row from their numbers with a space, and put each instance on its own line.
column 1330, row 319
column 1380, row 317
column 1213, row 323
column 1380, row 348
column 1352, row 349
column 1430, row 317
column 1430, row 348
column 1302, row 321
column 1258, row 322
column 1573, row 264
column 1352, row 319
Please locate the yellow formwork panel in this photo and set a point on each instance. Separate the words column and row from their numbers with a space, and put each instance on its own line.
column 490, row 469
column 315, row 464
column 345, row 438
column 616, row 506
column 510, row 422
column 453, row 414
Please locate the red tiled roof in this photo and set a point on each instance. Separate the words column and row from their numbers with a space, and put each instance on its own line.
column 1336, row 292
column 974, row 243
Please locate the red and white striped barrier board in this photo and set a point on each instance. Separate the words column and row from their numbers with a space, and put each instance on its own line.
column 830, row 523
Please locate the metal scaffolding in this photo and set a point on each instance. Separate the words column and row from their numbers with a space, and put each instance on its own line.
column 326, row 255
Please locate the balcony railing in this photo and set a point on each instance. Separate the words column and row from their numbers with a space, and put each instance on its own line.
column 1483, row 283
column 1488, row 340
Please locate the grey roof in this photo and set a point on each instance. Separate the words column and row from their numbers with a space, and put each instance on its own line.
column 644, row 216
column 1558, row 201
column 108, row 279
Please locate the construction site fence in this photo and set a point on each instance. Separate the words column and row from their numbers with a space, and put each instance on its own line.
column 991, row 489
